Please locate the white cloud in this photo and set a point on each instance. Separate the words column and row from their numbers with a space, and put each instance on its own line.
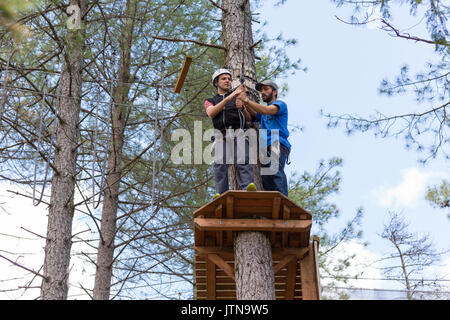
column 408, row 191
column 361, row 265
column 17, row 213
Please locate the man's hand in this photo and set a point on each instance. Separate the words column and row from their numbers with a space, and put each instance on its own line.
column 242, row 95
column 239, row 103
column 239, row 90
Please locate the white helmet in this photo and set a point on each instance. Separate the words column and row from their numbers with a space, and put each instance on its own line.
column 218, row 73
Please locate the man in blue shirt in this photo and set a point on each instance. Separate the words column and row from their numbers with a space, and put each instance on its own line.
column 272, row 117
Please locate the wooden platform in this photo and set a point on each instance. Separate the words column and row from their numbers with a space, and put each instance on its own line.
column 288, row 227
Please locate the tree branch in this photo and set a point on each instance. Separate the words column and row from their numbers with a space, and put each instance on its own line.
column 19, row 265
column 189, row 40
column 217, row 5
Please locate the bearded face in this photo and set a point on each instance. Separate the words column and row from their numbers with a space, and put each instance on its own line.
column 267, row 93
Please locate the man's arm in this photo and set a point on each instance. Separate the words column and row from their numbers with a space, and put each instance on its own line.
column 248, row 116
column 252, row 112
column 213, row 110
column 256, row 107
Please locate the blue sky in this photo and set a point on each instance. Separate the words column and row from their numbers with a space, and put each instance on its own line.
column 345, row 67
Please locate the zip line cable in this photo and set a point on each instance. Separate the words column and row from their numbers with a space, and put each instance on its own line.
column 386, row 279
column 392, row 290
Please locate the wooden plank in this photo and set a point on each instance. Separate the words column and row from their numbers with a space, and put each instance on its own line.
column 228, row 253
column 308, row 275
column 254, row 202
column 232, row 287
column 219, row 214
column 283, row 263
column 183, row 73
column 304, row 239
column 218, row 261
column 242, row 212
column 229, row 215
column 210, row 238
column 240, row 194
column 231, row 295
column 222, row 277
column 316, row 264
column 275, row 214
column 290, row 281
column 227, row 295
column 284, row 235
column 199, row 236
column 211, row 280
column 252, row 225
column 208, row 209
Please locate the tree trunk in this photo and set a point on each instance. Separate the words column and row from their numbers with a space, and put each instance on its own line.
column 61, row 209
column 405, row 272
column 252, row 250
column 105, row 255
column 253, row 267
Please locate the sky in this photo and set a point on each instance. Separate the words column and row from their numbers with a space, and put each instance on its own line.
column 345, row 67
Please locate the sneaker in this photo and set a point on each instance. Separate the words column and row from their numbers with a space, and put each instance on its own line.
column 251, row 187
column 216, row 196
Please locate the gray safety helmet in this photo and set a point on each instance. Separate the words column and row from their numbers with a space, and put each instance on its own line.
column 266, row 83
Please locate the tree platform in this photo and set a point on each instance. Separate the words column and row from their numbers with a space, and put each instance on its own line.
column 288, row 228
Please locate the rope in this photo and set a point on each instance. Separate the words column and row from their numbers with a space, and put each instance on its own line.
column 243, row 44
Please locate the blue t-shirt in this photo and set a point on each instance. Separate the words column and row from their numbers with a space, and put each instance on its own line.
column 278, row 121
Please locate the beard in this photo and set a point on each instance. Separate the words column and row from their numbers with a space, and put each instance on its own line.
column 268, row 98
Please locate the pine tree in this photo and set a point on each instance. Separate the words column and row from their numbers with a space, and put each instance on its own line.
column 255, row 279
column 61, row 208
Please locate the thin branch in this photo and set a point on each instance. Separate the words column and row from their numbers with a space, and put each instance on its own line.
column 389, row 27
column 407, row 36
column 20, row 266
column 189, row 40
column 217, row 5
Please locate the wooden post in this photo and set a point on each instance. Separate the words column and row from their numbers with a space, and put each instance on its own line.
column 182, row 75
